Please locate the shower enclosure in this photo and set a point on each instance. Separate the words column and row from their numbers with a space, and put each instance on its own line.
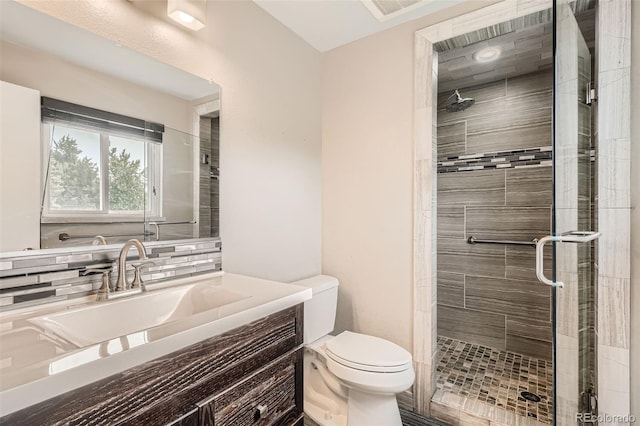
column 514, row 220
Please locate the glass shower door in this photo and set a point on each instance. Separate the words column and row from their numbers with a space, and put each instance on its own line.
column 573, row 239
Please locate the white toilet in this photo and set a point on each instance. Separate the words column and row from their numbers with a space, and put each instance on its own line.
column 350, row 379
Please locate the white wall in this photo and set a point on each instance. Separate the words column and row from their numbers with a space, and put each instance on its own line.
column 367, row 157
column 19, row 168
column 635, row 209
column 270, row 121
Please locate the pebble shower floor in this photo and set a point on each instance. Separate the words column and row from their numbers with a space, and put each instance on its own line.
column 484, row 377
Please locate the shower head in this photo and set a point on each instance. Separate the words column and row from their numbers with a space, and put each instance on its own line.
column 460, row 104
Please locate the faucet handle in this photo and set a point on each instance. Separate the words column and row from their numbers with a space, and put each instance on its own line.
column 105, row 289
column 137, row 279
column 138, row 265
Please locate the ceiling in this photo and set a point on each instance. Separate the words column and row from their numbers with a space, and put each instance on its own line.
column 327, row 24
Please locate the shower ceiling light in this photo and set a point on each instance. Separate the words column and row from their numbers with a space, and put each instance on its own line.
column 487, row 54
column 189, row 13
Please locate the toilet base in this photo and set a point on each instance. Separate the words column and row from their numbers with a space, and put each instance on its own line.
column 322, row 417
column 326, row 408
column 321, row 404
column 366, row 409
column 362, row 410
column 331, row 402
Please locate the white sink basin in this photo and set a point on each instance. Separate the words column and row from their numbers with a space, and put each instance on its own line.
column 107, row 320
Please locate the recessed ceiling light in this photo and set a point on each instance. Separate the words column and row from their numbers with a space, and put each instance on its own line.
column 189, row 13
column 487, row 54
column 185, row 17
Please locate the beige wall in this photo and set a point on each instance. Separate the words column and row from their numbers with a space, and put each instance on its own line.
column 367, row 157
column 635, row 210
column 270, row 121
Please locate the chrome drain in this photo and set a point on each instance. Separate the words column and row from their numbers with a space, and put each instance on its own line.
column 530, row 396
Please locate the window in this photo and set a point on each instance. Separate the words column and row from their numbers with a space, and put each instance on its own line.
column 100, row 165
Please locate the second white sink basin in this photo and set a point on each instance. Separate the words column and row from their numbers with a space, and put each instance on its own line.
column 107, row 320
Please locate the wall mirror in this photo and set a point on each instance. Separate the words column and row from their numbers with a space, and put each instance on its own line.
column 100, row 143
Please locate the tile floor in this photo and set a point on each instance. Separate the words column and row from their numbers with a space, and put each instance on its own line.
column 410, row 418
column 487, row 383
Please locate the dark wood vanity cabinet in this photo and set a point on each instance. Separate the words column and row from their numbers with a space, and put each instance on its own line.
column 251, row 375
column 262, row 399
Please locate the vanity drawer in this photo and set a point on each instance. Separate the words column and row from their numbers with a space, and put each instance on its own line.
column 261, row 399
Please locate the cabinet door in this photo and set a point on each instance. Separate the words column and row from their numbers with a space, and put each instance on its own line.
column 261, row 399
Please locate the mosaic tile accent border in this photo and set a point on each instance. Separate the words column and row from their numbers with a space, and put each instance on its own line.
column 45, row 276
column 487, row 383
column 532, row 157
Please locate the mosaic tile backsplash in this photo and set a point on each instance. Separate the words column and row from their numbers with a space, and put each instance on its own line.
column 490, row 382
column 35, row 278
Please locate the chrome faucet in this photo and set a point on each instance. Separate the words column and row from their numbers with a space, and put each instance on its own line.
column 121, row 283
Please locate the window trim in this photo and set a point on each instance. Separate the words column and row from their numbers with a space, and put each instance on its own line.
column 105, row 128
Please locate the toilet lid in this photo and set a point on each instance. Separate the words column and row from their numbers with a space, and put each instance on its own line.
column 367, row 353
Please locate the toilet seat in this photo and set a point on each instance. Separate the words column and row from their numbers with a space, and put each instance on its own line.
column 367, row 353
column 373, row 382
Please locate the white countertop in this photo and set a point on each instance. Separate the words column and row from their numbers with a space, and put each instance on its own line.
column 34, row 367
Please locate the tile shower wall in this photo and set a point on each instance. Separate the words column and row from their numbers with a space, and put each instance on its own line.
column 494, row 182
column 204, row 225
column 614, row 205
column 35, row 278
column 209, row 225
column 214, row 176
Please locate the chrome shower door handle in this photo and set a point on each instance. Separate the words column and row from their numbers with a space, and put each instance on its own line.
column 569, row 237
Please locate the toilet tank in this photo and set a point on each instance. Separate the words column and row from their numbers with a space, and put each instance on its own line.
column 320, row 311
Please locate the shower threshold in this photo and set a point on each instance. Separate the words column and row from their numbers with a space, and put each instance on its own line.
column 475, row 382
